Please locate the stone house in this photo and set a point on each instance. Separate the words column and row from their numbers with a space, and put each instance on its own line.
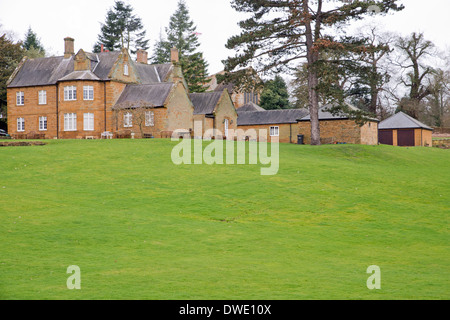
column 288, row 124
column 77, row 95
column 215, row 112
column 239, row 97
column 282, row 124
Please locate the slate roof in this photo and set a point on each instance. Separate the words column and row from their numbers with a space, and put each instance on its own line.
column 251, row 106
column 80, row 75
column 286, row 116
column 42, row 71
column 48, row 71
column 153, row 73
column 153, row 94
column 402, row 121
column 326, row 115
column 205, row 103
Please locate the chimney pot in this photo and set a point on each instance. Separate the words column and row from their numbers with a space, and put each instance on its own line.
column 69, row 47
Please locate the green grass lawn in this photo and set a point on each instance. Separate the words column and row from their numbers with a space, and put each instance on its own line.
column 140, row 227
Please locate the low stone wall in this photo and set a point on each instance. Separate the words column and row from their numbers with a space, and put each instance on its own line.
column 442, row 143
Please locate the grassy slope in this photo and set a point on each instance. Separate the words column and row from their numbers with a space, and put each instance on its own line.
column 140, row 227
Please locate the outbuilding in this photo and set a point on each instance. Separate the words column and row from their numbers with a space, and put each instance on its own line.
column 404, row 131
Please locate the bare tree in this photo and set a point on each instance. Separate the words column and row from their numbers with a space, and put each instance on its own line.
column 415, row 72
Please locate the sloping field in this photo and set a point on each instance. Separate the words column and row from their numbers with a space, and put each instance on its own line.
column 140, row 227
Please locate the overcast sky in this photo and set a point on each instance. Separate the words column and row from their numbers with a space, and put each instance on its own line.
column 54, row 20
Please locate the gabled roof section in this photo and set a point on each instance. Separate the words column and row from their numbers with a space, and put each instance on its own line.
column 402, row 121
column 205, row 103
column 80, row 75
column 105, row 61
column 48, row 71
column 156, row 73
column 154, row 95
column 42, row 71
column 251, row 106
column 286, row 116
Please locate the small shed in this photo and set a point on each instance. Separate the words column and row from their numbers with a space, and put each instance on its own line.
column 404, row 131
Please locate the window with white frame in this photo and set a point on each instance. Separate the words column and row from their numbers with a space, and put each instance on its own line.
column 42, row 123
column 42, row 97
column 70, row 122
column 70, row 93
column 128, row 120
column 20, row 98
column 88, row 122
column 274, row 131
column 20, row 124
column 125, row 70
column 149, row 119
column 88, row 93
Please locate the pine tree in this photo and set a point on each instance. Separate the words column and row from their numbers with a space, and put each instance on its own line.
column 275, row 94
column 182, row 34
column 279, row 33
column 32, row 45
column 122, row 29
column 160, row 54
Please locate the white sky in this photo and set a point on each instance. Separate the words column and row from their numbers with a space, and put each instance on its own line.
column 53, row 20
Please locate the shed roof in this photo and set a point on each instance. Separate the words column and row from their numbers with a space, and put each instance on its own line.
column 154, row 95
column 286, row 116
column 205, row 103
column 402, row 121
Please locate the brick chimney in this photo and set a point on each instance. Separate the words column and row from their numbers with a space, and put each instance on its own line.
column 174, row 56
column 142, row 56
column 69, row 47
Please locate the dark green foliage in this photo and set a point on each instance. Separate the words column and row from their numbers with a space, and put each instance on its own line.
column 33, row 44
column 182, row 34
column 275, row 95
column 122, row 29
column 279, row 33
column 10, row 55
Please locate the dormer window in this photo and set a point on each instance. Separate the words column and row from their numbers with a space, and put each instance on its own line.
column 125, row 70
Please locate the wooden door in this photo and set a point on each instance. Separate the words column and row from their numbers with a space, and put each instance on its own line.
column 406, row 138
column 386, row 137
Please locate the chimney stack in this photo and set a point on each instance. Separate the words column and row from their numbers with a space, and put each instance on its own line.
column 142, row 56
column 69, row 47
column 174, row 56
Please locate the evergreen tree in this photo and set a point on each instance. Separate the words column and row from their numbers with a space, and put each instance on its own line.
column 160, row 54
column 275, row 95
column 32, row 44
column 182, row 34
column 10, row 55
column 122, row 29
column 279, row 33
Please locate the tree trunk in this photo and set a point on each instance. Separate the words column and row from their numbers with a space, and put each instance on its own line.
column 313, row 80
